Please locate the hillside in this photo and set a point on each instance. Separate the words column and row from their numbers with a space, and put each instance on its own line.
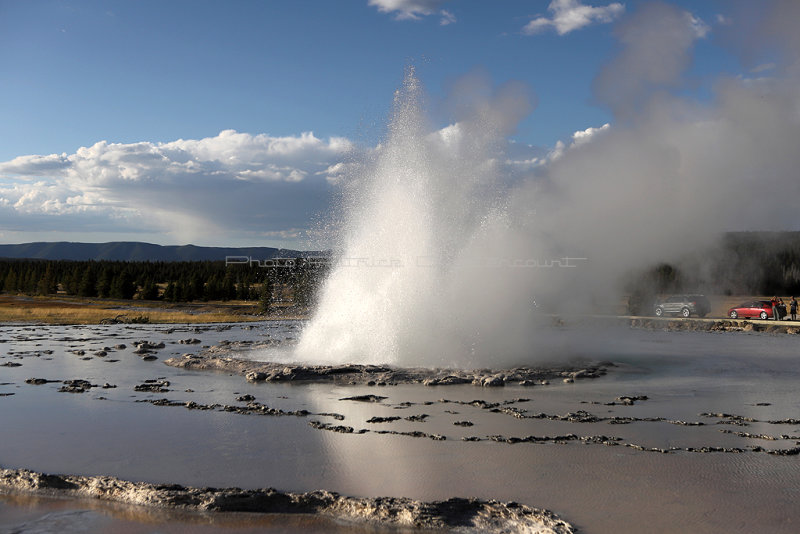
column 135, row 251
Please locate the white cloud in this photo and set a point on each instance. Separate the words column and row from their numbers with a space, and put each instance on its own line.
column 700, row 28
column 414, row 9
column 570, row 15
column 337, row 172
column 232, row 186
column 583, row 136
column 447, row 18
column 525, row 164
column 538, row 158
column 31, row 166
column 450, row 135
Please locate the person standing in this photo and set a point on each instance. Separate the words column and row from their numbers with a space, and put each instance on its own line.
column 774, row 303
column 793, row 308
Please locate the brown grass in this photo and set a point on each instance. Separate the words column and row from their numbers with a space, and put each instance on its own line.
column 72, row 310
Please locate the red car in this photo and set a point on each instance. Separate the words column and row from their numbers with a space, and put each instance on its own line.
column 754, row 308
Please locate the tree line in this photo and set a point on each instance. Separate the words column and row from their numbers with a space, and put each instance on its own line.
column 294, row 280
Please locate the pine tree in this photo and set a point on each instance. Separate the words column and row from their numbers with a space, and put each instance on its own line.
column 170, row 292
column 243, row 289
column 104, row 282
column 265, row 296
column 197, row 286
column 123, row 287
column 87, row 287
column 228, row 287
column 31, row 282
column 10, row 285
column 212, row 289
column 73, row 280
column 183, row 291
column 149, row 290
column 47, row 283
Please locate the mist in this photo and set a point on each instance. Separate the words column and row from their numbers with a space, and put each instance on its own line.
column 447, row 257
column 672, row 174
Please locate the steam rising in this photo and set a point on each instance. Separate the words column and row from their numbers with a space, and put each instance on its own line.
column 442, row 253
column 412, row 285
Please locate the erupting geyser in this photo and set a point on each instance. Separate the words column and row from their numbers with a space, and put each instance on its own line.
column 421, row 273
column 445, row 244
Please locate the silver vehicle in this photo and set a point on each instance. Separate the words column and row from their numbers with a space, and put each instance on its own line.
column 684, row 305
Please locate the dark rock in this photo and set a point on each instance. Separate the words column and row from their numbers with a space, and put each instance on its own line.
column 147, row 345
column 493, row 381
column 333, row 428
column 446, row 380
column 365, row 398
column 76, row 386
column 377, row 419
column 39, row 381
column 255, row 376
column 627, row 400
column 155, row 386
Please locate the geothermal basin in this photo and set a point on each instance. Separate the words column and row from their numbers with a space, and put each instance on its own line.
column 682, row 431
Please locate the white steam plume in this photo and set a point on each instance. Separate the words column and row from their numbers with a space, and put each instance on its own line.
column 471, row 250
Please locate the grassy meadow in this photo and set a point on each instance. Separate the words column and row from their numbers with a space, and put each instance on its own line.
column 76, row 310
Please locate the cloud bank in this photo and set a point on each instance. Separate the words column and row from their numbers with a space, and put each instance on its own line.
column 231, row 189
column 234, row 186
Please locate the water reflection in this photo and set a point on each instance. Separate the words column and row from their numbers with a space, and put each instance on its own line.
column 41, row 515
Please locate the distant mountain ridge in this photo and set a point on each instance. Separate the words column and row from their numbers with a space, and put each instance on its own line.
column 136, row 251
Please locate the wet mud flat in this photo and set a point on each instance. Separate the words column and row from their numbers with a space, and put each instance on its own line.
column 44, row 351
column 666, row 438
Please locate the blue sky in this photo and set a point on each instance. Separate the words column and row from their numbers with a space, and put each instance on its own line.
column 95, row 94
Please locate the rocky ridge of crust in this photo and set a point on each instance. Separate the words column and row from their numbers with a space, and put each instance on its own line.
column 222, row 359
column 456, row 513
